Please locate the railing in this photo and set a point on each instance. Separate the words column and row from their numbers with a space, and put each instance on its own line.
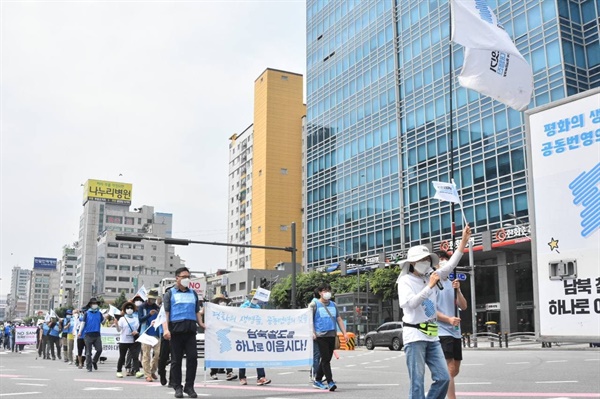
column 506, row 340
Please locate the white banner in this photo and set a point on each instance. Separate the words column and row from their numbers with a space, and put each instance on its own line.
column 110, row 342
column 262, row 294
column 25, row 335
column 250, row 338
column 446, row 191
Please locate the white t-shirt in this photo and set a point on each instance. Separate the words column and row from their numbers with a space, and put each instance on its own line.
column 418, row 301
column 126, row 332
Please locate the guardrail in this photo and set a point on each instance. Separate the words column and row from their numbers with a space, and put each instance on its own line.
column 505, row 340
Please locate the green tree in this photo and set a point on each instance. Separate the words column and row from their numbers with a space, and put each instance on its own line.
column 117, row 303
column 383, row 283
column 305, row 286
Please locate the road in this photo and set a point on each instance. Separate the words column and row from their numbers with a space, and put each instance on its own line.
column 360, row 374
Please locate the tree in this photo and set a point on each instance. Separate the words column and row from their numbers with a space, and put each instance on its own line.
column 305, row 287
column 117, row 303
column 383, row 283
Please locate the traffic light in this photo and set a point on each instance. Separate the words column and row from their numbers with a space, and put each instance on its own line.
column 352, row 261
column 263, row 282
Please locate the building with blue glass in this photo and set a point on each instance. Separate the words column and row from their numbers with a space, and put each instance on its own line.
column 381, row 126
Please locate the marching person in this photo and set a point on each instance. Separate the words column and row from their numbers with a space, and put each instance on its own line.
column 261, row 378
column 54, row 336
column 220, row 300
column 150, row 354
column 67, row 338
column 78, row 316
column 90, row 331
column 325, row 318
column 449, row 331
column 128, row 326
column 417, row 293
column 182, row 311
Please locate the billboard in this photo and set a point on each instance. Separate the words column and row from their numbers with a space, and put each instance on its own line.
column 44, row 263
column 107, row 191
column 564, row 176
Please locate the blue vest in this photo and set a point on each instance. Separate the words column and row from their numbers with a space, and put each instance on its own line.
column 55, row 331
column 45, row 328
column 66, row 321
column 324, row 322
column 93, row 321
column 183, row 305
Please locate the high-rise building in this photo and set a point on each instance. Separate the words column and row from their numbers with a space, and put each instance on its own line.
column 379, row 132
column 19, row 293
column 43, row 286
column 67, row 265
column 105, row 266
column 265, row 173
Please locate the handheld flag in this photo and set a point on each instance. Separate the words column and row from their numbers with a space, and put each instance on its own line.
column 143, row 293
column 113, row 311
column 147, row 339
column 446, row 192
column 262, row 294
column 52, row 314
column 493, row 65
column 161, row 318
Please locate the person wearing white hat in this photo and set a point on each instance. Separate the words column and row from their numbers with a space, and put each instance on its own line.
column 417, row 292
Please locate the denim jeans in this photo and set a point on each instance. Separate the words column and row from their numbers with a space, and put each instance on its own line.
column 418, row 354
column 316, row 359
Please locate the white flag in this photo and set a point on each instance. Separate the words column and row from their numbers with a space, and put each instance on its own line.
column 142, row 293
column 492, row 65
column 446, row 192
column 161, row 318
column 47, row 318
column 147, row 339
column 113, row 311
column 262, row 294
column 52, row 314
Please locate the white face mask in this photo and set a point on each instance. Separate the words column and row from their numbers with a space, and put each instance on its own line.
column 185, row 282
column 254, row 301
column 139, row 303
column 421, row 266
column 129, row 311
column 94, row 306
column 223, row 303
column 327, row 296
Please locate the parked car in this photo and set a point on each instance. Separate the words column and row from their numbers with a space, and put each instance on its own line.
column 388, row 334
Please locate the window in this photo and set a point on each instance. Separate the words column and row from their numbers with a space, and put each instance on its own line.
column 112, row 256
column 124, row 256
column 125, row 245
column 124, row 268
column 242, row 285
column 114, row 219
column 284, row 171
column 113, row 245
column 124, row 279
column 137, row 257
column 111, row 278
column 111, row 267
column 138, row 246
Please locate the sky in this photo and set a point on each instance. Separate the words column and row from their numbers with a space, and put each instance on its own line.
column 142, row 92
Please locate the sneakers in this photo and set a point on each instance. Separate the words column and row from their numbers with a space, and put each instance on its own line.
column 263, row 381
column 139, row 374
column 95, row 364
column 178, row 392
column 243, row 381
column 331, row 385
column 119, row 374
column 231, row 376
column 214, row 377
column 190, row 392
column 319, row 385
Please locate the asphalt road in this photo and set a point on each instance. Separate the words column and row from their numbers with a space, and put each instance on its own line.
column 549, row 373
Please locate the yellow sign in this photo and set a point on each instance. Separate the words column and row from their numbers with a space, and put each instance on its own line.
column 107, row 191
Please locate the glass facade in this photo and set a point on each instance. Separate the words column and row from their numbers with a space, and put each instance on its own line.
column 378, row 120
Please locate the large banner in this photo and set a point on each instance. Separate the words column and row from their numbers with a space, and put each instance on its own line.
column 250, row 338
column 25, row 335
column 107, row 191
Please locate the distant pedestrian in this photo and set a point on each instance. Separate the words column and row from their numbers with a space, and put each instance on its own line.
column 90, row 331
column 182, row 311
column 450, row 335
column 417, row 293
column 54, row 336
column 68, row 339
column 326, row 316
column 128, row 326
column 150, row 354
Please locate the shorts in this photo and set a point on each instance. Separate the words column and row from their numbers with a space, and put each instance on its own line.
column 452, row 347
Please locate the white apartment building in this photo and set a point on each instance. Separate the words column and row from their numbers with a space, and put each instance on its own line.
column 67, row 265
column 239, row 228
column 19, row 293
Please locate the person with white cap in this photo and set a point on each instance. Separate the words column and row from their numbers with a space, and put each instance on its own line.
column 418, row 287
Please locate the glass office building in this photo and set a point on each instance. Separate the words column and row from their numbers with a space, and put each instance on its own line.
column 378, row 129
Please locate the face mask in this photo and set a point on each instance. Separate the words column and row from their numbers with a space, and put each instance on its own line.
column 185, row 282
column 94, row 307
column 421, row 266
column 327, row 296
column 139, row 303
column 129, row 311
column 68, row 316
column 254, row 301
column 222, row 303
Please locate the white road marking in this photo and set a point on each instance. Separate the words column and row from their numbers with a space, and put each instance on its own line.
column 378, row 385
column 591, row 360
column 555, row 382
column 351, row 365
column 23, row 393
column 104, row 389
column 30, row 379
column 518, row 363
column 377, row 367
column 365, row 362
column 32, row 385
column 556, row 361
column 289, row 372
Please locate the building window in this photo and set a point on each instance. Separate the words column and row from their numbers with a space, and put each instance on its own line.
column 111, row 278
column 114, row 219
column 112, row 256
column 138, row 246
column 113, row 245
column 284, row 171
column 283, row 227
column 242, row 285
column 125, row 245
column 125, row 268
column 138, row 257
column 125, row 279
column 111, row 267
column 124, row 256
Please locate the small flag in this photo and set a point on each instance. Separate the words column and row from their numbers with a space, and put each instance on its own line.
column 52, row 314
column 142, row 293
column 262, row 294
column 147, row 339
column 161, row 318
column 113, row 311
column 446, row 192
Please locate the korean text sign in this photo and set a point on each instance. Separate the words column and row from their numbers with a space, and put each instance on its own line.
column 251, row 338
